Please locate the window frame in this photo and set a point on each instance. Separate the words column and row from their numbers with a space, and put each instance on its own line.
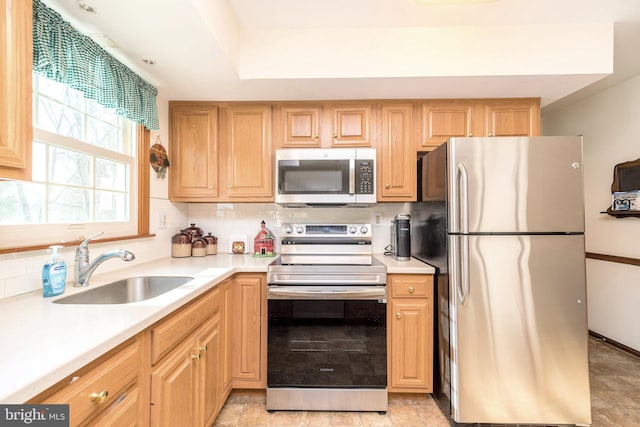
column 142, row 154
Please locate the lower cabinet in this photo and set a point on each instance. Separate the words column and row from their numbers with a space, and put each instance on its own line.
column 187, row 350
column 106, row 390
column 410, row 333
column 249, row 347
column 184, row 387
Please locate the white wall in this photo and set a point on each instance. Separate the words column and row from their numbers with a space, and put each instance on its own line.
column 610, row 124
column 20, row 272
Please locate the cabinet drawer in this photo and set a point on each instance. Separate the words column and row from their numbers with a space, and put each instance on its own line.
column 167, row 333
column 122, row 413
column 108, row 378
column 411, row 286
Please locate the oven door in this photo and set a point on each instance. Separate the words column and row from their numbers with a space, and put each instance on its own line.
column 327, row 337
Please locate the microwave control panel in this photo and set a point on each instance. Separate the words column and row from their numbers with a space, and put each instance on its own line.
column 364, row 177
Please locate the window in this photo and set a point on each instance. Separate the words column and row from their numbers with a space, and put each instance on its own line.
column 84, row 172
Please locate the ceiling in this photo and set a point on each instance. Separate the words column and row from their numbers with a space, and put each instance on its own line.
column 558, row 50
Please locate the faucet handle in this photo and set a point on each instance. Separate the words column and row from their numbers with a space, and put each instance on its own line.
column 85, row 242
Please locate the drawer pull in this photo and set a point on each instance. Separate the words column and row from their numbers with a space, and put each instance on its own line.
column 398, row 315
column 203, row 349
column 99, row 397
column 195, row 356
column 411, row 289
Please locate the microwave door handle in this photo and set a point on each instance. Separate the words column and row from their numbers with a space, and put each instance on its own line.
column 352, row 176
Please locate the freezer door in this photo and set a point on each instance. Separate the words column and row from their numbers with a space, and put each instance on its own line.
column 519, row 330
column 506, row 184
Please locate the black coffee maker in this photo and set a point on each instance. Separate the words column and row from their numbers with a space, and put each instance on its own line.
column 401, row 237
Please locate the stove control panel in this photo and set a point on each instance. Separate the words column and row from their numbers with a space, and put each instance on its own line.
column 326, row 230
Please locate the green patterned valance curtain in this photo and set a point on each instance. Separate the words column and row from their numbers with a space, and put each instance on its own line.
column 63, row 54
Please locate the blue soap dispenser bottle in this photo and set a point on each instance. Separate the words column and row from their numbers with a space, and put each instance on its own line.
column 54, row 274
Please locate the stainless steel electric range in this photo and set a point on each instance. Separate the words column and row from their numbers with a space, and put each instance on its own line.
column 327, row 345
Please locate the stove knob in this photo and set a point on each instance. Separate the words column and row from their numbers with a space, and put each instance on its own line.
column 288, row 229
column 299, row 229
column 352, row 230
column 364, row 230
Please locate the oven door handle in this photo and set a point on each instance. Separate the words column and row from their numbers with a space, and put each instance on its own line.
column 327, row 293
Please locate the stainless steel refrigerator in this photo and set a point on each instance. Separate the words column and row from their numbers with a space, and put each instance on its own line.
column 502, row 220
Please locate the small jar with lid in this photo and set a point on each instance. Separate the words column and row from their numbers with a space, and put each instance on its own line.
column 193, row 231
column 181, row 245
column 198, row 247
column 212, row 244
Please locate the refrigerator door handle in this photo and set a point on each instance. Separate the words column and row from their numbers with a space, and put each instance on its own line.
column 464, row 283
column 463, row 245
column 463, row 198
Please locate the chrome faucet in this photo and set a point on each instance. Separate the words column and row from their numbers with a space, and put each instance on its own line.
column 84, row 269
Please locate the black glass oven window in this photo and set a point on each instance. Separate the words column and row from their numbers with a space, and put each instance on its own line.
column 327, row 344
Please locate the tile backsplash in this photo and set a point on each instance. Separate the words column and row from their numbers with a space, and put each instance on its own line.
column 224, row 220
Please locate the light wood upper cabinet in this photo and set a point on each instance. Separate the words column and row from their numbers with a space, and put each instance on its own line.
column 512, row 118
column 193, row 148
column 443, row 120
column 249, row 155
column 396, row 166
column 301, row 126
column 481, row 117
column 352, row 125
column 16, row 132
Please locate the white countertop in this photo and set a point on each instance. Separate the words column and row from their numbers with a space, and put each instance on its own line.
column 44, row 342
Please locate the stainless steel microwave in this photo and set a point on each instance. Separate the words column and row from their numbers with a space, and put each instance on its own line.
column 325, row 177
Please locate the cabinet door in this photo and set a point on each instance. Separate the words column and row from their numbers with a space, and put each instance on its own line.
column 396, row 167
column 173, row 389
column 208, row 348
column 443, row 120
column 193, row 174
column 352, row 126
column 16, row 59
column 301, row 126
column 247, row 332
column 410, row 344
column 227, row 325
column 512, row 118
column 250, row 158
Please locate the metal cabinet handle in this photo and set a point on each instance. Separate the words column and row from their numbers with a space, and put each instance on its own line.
column 398, row 315
column 470, row 134
column 202, row 349
column 411, row 289
column 195, row 356
column 100, row 396
column 335, row 135
column 490, row 133
column 387, row 186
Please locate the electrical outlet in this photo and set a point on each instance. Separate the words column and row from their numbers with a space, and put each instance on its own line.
column 162, row 220
column 377, row 219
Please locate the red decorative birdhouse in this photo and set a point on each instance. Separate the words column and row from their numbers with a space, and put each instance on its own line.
column 263, row 243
